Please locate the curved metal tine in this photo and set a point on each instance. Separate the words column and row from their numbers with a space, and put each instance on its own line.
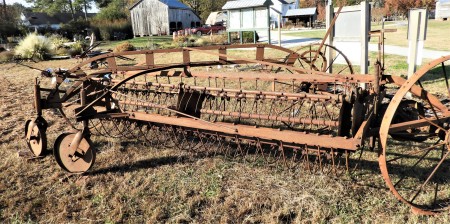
column 250, row 151
column 270, row 154
column 125, row 124
column 319, row 159
column 282, row 158
column 184, row 143
column 238, row 151
column 230, row 147
column 149, row 129
column 132, row 127
column 220, row 146
column 173, row 139
column 110, row 130
column 157, row 132
column 209, row 141
column 116, row 127
column 295, row 159
column 95, row 127
column 196, row 141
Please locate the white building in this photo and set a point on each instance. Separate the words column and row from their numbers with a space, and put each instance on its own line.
column 281, row 6
column 442, row 9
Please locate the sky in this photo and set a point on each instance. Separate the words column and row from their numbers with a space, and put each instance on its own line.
column 23, row 2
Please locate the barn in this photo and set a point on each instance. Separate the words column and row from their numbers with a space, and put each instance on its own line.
column 160, row 17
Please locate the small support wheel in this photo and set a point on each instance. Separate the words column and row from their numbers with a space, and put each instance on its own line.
column 78, row 162
column 36, row 137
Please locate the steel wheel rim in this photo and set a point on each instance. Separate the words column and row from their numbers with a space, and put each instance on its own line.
column 38, row 140
column 383, row 158
column 73, row 164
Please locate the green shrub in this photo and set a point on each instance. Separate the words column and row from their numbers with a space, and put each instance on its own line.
column 125, row 46
column 57, row 41
column 72, row 28
column 202, row 42
column 247, row 37
column 61, row 51
column 76, row 49
column 219, row 38
column 6, row 56
column 113, row 11
column 33, row 46
column 107, row 29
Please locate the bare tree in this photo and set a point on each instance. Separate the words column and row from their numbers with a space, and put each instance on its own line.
column 4, row 8
column 71, row 9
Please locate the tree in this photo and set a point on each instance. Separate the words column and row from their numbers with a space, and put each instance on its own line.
column 204, row 7
column 113, row 11
column 56, row 6
column 401, row 7
column 9, row 20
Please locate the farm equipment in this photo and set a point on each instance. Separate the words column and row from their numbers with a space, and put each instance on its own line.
column 300, row 109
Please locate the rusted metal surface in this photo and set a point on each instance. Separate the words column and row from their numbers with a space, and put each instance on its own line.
column 285, row 111
column 438, row 119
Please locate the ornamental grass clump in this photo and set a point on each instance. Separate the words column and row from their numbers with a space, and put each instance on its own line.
column 34, row 46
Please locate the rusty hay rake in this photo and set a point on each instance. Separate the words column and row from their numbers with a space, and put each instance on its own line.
column 299, row 109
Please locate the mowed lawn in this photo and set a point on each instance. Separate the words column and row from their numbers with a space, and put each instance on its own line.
column 437, row 34
column 141, row 42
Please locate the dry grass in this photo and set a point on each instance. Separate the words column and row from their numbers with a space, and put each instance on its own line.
column 437, row 32
column 133, row 183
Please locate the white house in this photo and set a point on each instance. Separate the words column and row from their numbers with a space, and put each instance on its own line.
column 43, row 20
column 217, row 18
column 281, row 6
column 442, row 9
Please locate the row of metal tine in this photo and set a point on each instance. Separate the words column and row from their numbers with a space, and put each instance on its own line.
column 313, row 159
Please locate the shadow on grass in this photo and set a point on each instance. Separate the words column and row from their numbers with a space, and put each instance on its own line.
column 142, row 164
column 437, row 73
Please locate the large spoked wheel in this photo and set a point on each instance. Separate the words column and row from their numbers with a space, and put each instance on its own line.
column 36, row 137
column 326, row 59
column 415, row 139
column 78, row 162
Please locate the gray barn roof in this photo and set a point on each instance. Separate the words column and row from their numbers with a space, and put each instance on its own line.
column 173, row 4
column 240, row 4
column 301, row 12
column 42, row 18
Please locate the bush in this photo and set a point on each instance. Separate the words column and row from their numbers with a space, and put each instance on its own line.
column 72, row 28
column 219, row 39
column 6, row 56
column 61, row 51
column 58, row 41
column 76, row 49
column 33, row 46
column 107, row 29
column 125, row 46
column 113, row 11
column 247, row 37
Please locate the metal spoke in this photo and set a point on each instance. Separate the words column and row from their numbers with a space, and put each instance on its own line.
column 430, row 176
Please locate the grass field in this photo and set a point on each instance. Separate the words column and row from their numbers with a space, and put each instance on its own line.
column 436, row 34
column 141, row 42
column 133, row 183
